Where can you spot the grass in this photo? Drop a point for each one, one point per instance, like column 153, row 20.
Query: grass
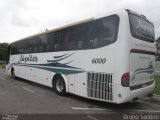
column 157, row 85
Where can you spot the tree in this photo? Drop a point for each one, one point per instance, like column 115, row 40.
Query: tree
column 3, row 51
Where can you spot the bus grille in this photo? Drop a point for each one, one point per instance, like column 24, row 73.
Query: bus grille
column 99, row 85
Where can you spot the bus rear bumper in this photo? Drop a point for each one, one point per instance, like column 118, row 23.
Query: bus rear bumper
column 127, row 94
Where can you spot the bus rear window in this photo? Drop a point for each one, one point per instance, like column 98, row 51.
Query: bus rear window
column 141, row 28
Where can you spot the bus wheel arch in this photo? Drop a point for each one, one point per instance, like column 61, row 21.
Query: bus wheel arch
column 59, row 84
column 13, row 72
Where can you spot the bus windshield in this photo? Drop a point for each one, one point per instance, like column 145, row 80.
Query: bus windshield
column 141, row 28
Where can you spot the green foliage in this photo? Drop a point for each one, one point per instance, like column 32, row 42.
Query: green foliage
column 2, row 66
column 157, row 85
column 3, row 51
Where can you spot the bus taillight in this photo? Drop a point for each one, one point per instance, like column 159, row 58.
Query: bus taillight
column 125, row 79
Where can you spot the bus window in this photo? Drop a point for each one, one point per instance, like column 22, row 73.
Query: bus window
column 141, row 28
column 103, row 31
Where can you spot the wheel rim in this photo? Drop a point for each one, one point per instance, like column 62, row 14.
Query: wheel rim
column 59, row 85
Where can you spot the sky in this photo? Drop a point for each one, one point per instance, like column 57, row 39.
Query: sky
column 22, row 18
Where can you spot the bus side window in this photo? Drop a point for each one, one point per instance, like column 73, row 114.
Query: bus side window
column 99, row 32
column 103, row 31
column 65, row 40
column 72, row 38
column 81, row 44
column 50, row 48
column 56, row 47
column 41, row 49
column 30, row 50
column 95, row 42
column 72, row 45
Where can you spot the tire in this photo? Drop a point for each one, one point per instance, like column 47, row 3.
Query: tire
column 59, row 86
column 13, row 74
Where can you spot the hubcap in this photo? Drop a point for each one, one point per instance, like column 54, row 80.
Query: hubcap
column 59, row 85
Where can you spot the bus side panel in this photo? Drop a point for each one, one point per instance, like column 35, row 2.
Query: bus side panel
column 71, row 83
column 81, row 84
column 43, row 77
column 23, row 72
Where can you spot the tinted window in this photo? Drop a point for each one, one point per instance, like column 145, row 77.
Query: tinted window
column 53, row 41
column 89, row 35
column 43, row 42
column 103, row 31
column 77, row 37
column 141, row 28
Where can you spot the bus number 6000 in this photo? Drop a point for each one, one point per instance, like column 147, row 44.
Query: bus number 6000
column 98, row 60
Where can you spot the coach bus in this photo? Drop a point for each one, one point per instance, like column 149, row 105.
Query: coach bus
column 107, row 58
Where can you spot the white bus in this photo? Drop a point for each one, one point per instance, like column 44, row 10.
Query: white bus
column 107, row 58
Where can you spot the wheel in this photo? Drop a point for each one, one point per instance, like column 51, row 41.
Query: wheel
column 13, row 74
column 59, row 86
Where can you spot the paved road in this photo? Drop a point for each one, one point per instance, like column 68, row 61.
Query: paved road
column 18, row 96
